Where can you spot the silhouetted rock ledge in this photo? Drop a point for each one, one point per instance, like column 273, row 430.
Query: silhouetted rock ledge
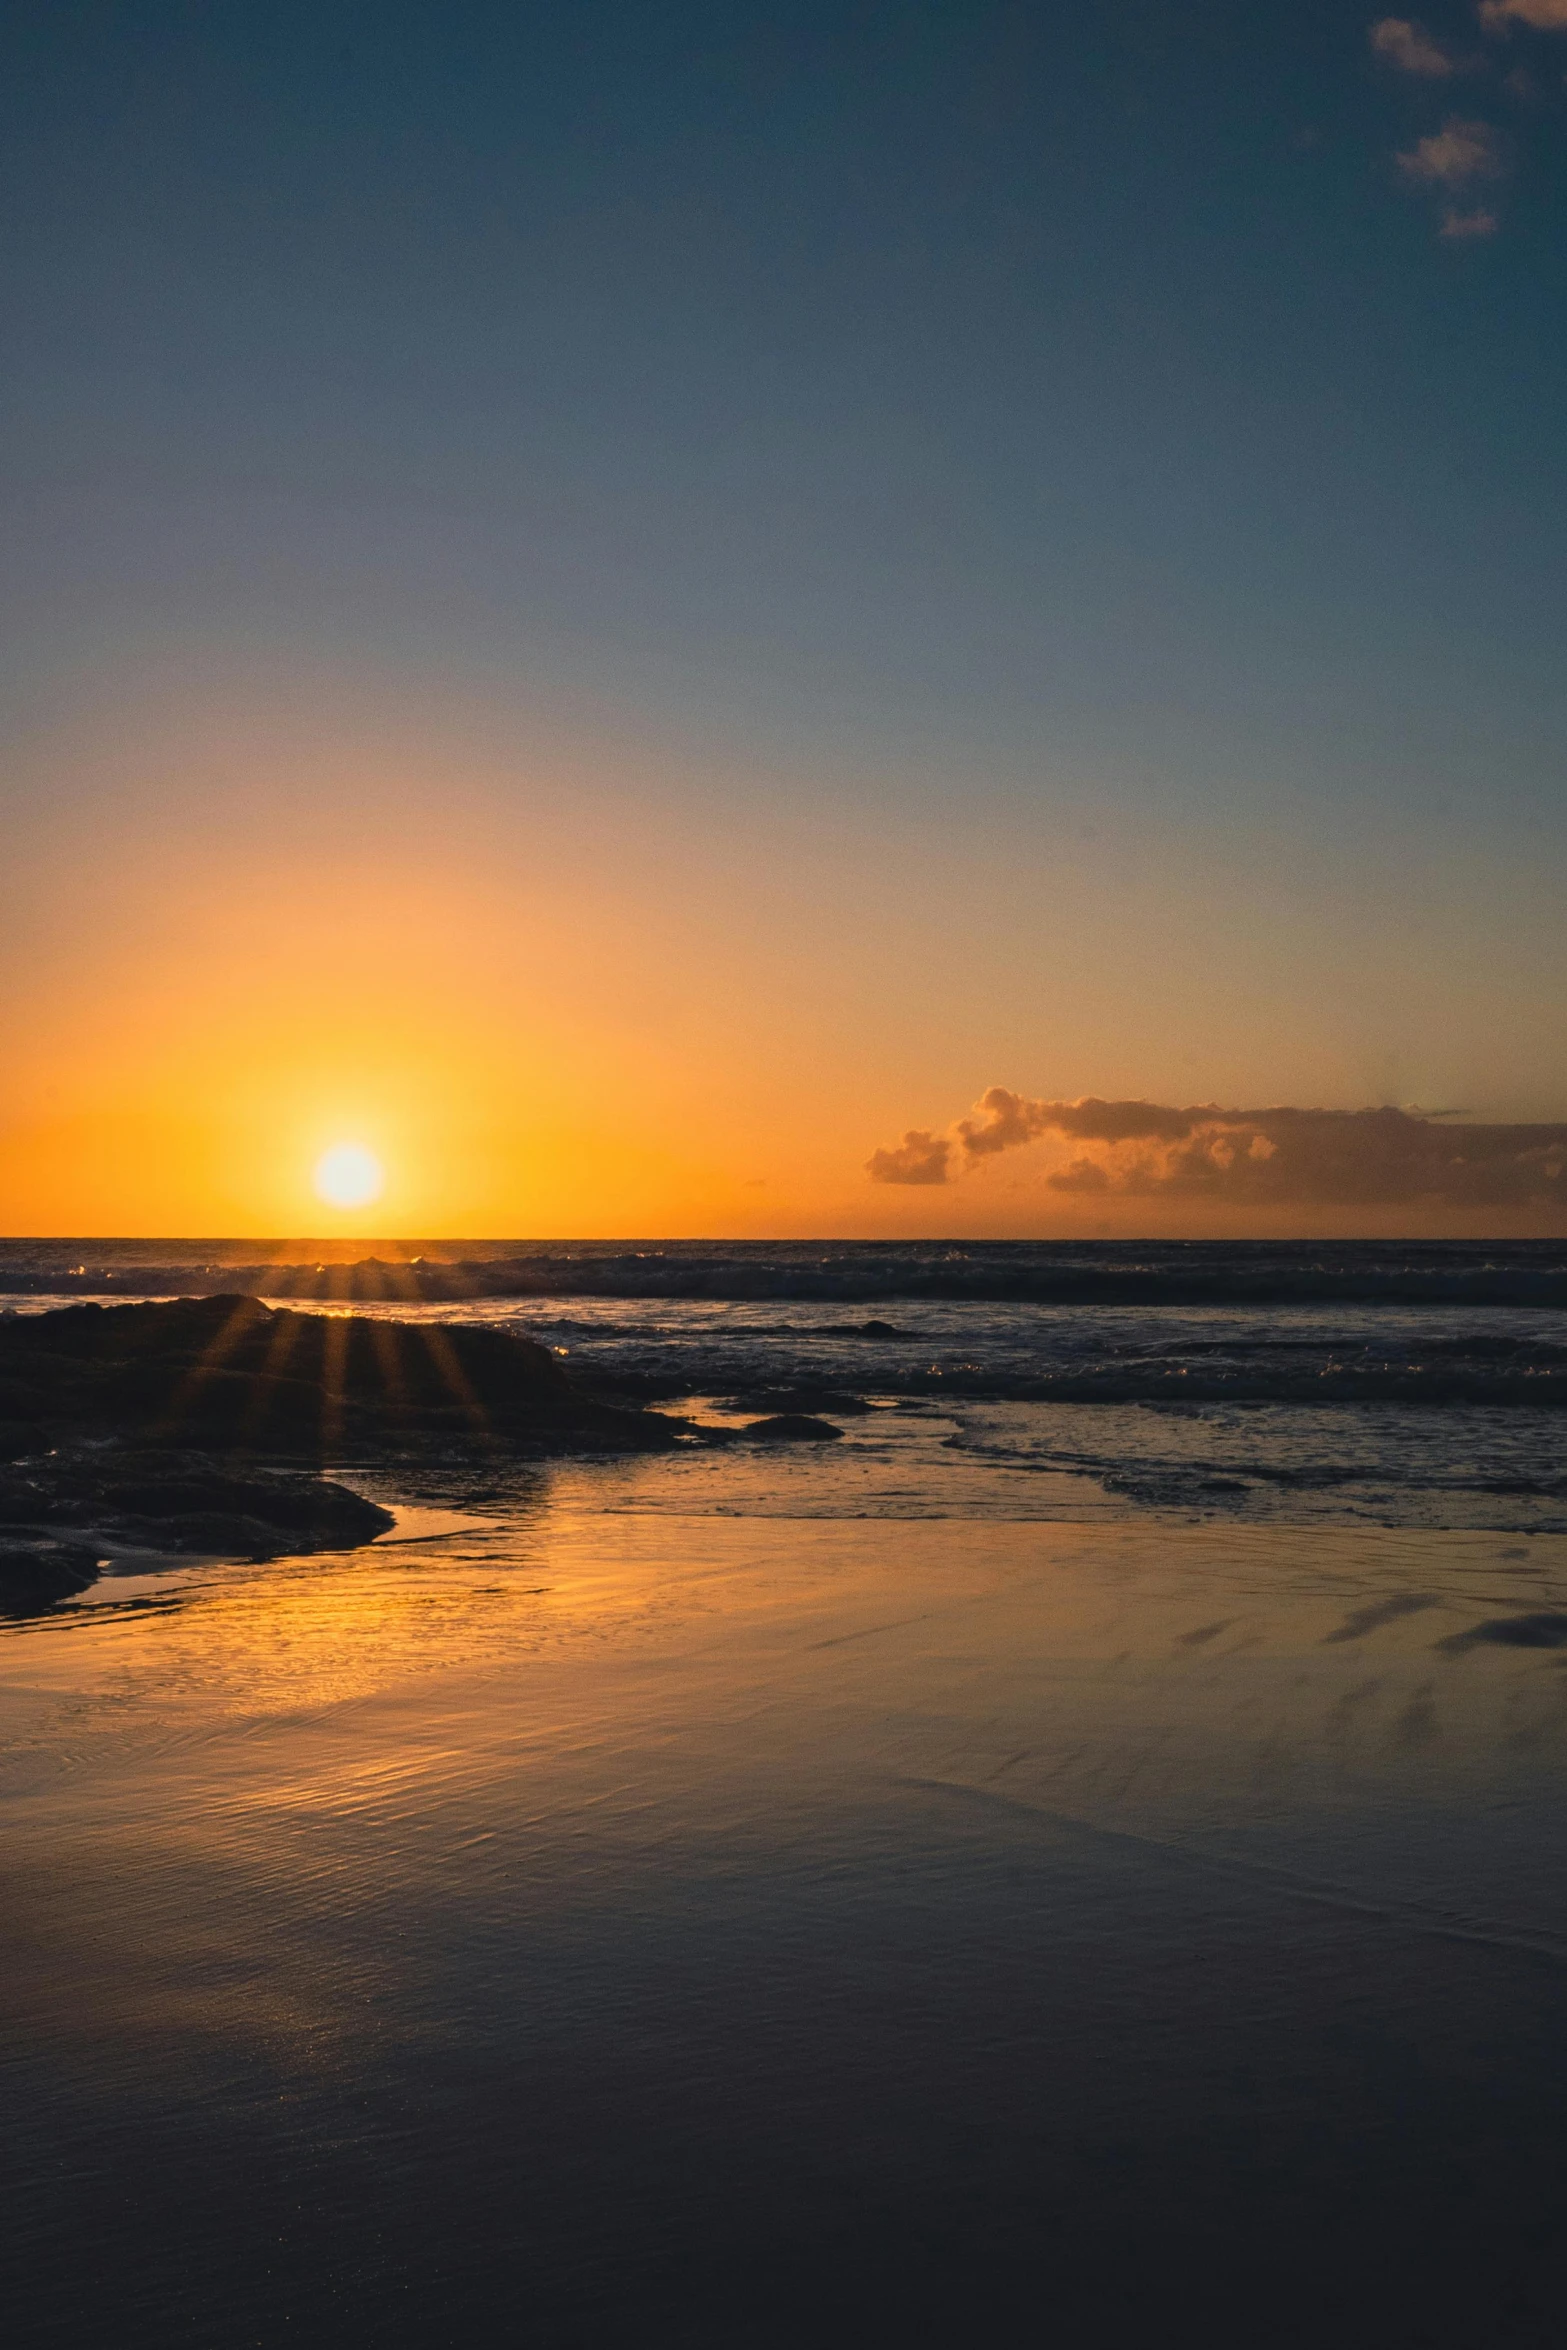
column 182, row 1502
column 226, row 1375
column 61, row 1514
column 36, row 1570
column 196, row 1427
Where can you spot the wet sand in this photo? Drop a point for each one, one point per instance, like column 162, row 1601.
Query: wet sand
column 588, row 1924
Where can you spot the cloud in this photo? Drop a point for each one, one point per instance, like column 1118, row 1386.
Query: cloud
column 1459, row 151
column 1546, row 16
column 1478, row 223
column 1251, row 1158
column 1011, row 1117
column 918, row 1158
column 1008, row 1118
column 1410, row 49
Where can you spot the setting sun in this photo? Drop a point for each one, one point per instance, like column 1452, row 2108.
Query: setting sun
column 348, row 1176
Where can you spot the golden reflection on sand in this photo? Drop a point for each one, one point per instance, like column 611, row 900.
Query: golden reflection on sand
column 406, row 1867
column 1135, row 1667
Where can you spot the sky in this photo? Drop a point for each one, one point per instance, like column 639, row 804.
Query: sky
column 637, row 608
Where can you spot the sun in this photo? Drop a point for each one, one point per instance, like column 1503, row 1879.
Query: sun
column 348, row 1176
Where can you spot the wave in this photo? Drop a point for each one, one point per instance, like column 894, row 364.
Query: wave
column 863, row 1274
column 1412, row 1384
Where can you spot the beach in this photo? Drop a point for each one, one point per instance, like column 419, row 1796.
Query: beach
column 594, row 1920
column 783, row 1177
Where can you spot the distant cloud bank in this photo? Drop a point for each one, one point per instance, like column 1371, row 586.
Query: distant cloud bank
column 1248, row 1158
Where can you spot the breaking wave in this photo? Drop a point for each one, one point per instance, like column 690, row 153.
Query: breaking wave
column 1170, row 1273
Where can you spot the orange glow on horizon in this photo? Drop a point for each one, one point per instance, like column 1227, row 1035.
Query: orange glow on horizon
column 563, row 985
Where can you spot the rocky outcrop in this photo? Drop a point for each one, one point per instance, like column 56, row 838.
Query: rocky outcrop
column 789, row 1428
column 36, row 1570
column 183, row 1502
column 230, row 1375
column 192, row 1427
column 61, row 1513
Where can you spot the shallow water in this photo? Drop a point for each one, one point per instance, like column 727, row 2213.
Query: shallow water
column 659, row 1903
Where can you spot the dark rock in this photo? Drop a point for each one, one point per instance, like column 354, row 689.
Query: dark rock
column 35, row 1573
column 297, row 1513
column 158, row 1427
column 227, row 1534
column 228, row 1374
column 184, row 1503
column 874, row 1330
column 789, row 1428
column 215, row 1534
column 604, row 1385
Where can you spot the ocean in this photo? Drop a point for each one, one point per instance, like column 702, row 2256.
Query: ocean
column 1076, row 1858
column 1403, row 1386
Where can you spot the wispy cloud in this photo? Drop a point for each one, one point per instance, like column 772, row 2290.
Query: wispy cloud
column 1457, row 153
column 1251, row 1158
column 1409, row 48
column 1546, row 16
column 1463, row 153
column 1478, row 223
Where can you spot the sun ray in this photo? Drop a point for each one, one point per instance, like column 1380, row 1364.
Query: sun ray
column 384, row 1341
column 450, row 1372
column 211, row 1360
column 335, row 1342
column 281, row 1344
